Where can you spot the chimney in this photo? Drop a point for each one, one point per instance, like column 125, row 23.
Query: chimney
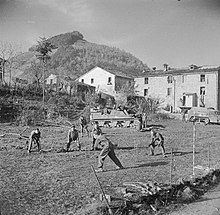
column 165, row 66
column 192, row 67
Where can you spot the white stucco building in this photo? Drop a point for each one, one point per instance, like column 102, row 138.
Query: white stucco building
column 191, row 87
column 105, row 81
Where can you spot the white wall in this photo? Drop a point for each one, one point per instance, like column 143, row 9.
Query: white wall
column 100, row 77
column 190, row 83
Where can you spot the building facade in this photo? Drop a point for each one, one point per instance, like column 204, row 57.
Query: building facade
column 108, row 82
column 178, row 88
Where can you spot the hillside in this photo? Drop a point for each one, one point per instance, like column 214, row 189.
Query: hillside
column 75, row 56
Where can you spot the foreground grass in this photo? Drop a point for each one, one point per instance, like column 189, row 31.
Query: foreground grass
column 60, row 183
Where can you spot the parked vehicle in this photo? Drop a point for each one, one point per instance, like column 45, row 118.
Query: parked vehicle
column 204, row 115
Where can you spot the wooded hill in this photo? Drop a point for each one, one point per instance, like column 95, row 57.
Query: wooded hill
column 74, row 56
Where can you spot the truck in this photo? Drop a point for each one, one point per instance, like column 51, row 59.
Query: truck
column 205, row 115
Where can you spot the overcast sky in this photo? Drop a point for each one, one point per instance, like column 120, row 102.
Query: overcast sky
column 178, row 33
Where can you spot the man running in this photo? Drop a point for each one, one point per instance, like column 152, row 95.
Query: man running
column 107, row 148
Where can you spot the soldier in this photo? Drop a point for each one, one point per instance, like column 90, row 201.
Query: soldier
column 184, row 112
column 107, row 149
column 83, row 124
column 34, row 138
column 144, row 120
column 73, row 135
column 96, row 131
column 157, row 140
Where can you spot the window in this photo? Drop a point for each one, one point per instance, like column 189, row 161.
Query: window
column 170, row 79
column 82, row 80
column 145, row 80
column 92, row 80
column 202, row 78
column 169, row 91
column 202, row 90
column 184, row 100
column 145, row 92
column 51, row 81
column 109, row 80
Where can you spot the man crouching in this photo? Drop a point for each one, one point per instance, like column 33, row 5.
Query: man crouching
column 73, row 136
column 157, row 140
column 34, row 138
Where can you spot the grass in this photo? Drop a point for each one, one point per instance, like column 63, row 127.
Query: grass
column 61, row 183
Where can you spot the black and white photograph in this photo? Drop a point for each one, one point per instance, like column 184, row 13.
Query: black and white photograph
column 109, row 107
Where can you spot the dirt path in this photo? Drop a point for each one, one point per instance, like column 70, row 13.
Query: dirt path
column 209, row 204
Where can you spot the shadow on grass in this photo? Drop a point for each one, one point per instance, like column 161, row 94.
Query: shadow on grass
column 131, row 148
column 152, row 164
column 182, row 153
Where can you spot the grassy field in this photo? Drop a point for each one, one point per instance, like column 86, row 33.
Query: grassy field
column 54, row 182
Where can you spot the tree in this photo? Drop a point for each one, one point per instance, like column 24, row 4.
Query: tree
column 150, row 105
column 91, row 99
column 36, row 72
column 8, row 52
column 123, row 92
column 43, row 49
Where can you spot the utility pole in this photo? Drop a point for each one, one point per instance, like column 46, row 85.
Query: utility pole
column 44, row 62
column 174, row 94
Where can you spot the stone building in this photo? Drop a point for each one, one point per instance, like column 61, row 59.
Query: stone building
column 178, row 88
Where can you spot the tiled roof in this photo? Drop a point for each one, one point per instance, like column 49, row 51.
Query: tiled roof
column 199, row 70
column 118, row 73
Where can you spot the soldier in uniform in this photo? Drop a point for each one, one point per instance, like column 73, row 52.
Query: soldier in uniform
column 184, row 112
column 96, row 131
column 73, row 135
column 83, row 124
column 156, row 140
column 34, row 138
column 107, row 148
column 144, row 120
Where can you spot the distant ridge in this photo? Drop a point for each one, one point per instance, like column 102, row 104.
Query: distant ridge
column 74, row 56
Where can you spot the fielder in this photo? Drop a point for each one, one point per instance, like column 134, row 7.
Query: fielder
column 157, row 140
column 96, row 131
column 73, row 136
column 34, row 138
